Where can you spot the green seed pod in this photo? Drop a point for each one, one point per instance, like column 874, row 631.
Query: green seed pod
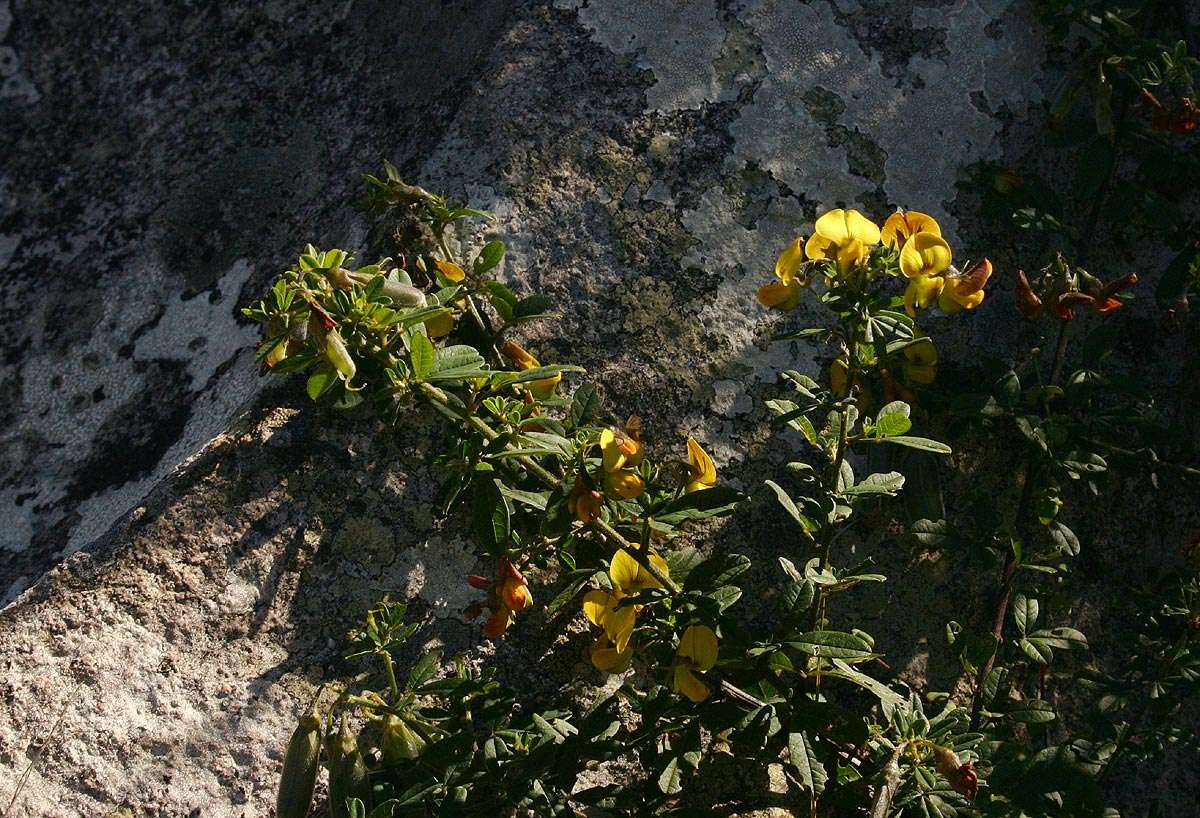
column 300, row 765
column 400, row 743
column 338, row 355
column 403, row 295
column 347, row 773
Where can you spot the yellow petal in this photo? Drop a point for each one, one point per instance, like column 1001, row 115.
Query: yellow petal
column 780, row 296
column 902, row 225
column 703, row 470
column 789, row 261
column 686, row 683
column 921, row 292
column 628, row 575
column 851, row 254
column 619, row 626
column 699, row 644
column 611, row 455
column 451, row 270
column 860, row 228
column 924, row 255
column 832, row 226
column 817, row 247
column 607, row 658
column 597, row 605
column 625, row 483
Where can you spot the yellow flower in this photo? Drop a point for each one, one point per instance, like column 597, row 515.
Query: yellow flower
column 842, row 236
column 784, row 294
column 904, row 224
column 602, row 608
column 697, row 652
column 921, row 292
column 584, row 502
column 625, row 483
column 619, row 449
column 606, row 657
column 920, row 362
column 924, row 254
column 964, row 291
column 450, row 270
column 702, row 472
column 542, row 388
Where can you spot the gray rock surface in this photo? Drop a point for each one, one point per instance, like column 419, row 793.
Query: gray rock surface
column 646, row 161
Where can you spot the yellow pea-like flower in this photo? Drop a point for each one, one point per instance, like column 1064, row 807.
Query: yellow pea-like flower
column 625, row 483
column 542, row 388
column 697, row 651
column 842, row 236
column 450, row 270
column 964, row 291
column 784, row 294
column 603, row 608
column 702, row 472
column 920, row 362
column 925, row 254
column 904, row 224
column 606, row 657
column 619, row 449
column 921, row 292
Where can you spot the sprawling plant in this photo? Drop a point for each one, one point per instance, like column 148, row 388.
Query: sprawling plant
column 552, row 485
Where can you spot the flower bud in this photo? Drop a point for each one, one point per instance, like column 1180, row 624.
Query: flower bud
column 337, row 354
column 1028, row 303
column 340, row 277
column 961, row 776
column 400, row 742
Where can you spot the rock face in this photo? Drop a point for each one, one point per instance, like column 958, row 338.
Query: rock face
column 646, row 162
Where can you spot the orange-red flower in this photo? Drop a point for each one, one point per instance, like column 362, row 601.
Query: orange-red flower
column 508, row 595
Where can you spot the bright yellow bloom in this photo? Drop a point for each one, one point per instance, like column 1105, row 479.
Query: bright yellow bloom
column 619, row 449
column 921, row 292
column 602, row 608
column 925, row 254
column 625, row 483
column 920, row 362
column 606, row 657
column 697, row 651
column 784, row 294
column 904, row 224
column 584, row 502
column 542, row 388
column 451, row 271
column 842, row 236
column 702, row 472
column 964, row 291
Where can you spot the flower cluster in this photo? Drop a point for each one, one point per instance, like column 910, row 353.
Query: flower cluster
column 508, row 595
column 1065, row 288
column 910, row 245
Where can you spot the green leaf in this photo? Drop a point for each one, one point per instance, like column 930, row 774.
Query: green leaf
column 885, row 694
column 489, row 256
column 922, row 443
column 1031, row 711
column 700, row 505
column 1036, row 649
column 832, row 645
column 1064, row 538
column 585, row 405
column 456, row 357
column 716, row 571
column 556, row 730
column 421, row 355
column 1025, row 612
column 532, row 305
column 321, row 381
column 670, row 780
column 884, row 483
column 806, row 524
column 581, row 578
column 726, row 596
column 808, row 767
column 491, row 511
column 796, row 599
column 504, row 300
column 893, row 419
column 424, row 670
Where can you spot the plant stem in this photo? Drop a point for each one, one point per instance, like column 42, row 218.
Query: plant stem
column 614, row 538
column 839, row 457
